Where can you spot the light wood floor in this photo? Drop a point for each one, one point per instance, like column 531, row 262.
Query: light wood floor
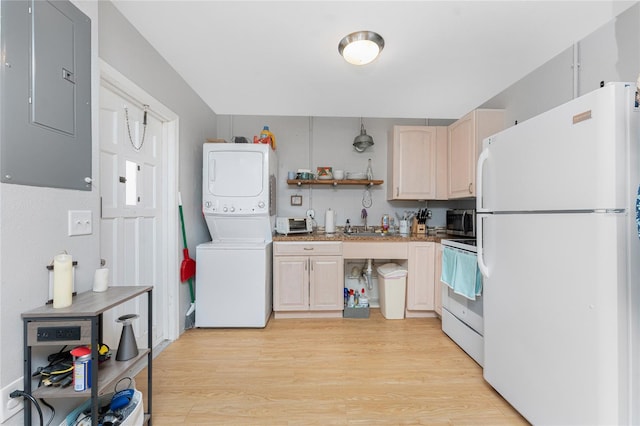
column 323, row 372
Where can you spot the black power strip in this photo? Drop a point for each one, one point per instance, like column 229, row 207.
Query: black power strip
column 52, row 334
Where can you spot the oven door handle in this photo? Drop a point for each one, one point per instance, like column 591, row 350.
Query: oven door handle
column 480, row 249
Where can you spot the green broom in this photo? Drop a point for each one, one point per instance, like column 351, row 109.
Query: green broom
column 187, row 271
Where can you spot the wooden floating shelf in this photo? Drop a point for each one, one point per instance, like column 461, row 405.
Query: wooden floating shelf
column 334, row 182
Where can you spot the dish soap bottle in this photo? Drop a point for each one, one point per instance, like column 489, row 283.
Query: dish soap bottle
column 369, row 170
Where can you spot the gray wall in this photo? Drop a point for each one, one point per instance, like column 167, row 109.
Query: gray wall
column 33, row 228
column 611, row 53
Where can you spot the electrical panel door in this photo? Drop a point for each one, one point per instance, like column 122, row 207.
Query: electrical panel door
column 46, row 107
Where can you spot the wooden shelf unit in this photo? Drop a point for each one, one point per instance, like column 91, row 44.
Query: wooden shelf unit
column 87, row 309
column 334, row 182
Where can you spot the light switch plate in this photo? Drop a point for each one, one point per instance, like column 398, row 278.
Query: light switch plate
column 80, row 222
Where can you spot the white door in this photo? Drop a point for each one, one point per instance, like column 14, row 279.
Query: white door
column 134, row 220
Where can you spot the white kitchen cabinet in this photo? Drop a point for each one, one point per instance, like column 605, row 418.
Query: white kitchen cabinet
column 465, row 138
column 308, row 279
column 420, row 279
column 436, row 279
column 417, row 163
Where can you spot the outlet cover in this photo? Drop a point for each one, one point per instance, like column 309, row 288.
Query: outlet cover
column 9, row 407
column 80, row 222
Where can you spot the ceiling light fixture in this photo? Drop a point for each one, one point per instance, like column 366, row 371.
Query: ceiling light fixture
column 361, row 47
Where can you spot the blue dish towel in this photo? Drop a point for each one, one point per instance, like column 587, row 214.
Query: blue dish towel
column 460, row 272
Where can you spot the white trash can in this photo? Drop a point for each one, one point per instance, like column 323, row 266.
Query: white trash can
column 393, row 290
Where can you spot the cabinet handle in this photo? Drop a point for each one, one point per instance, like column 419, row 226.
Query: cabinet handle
column 397, row 191
column 470, row 186
column 306, row 265
column 308, row 248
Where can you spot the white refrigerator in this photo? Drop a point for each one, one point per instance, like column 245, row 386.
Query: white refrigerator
column 559, row 251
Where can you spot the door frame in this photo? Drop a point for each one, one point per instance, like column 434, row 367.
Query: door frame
column 121, row 85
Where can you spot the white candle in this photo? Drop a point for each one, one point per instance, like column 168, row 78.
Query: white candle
column 62, row 280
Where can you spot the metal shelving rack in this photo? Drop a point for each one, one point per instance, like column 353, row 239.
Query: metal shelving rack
column 86, row 311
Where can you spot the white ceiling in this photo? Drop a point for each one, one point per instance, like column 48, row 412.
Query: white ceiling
column 441, row 58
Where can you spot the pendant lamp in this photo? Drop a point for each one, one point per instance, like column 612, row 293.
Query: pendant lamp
column 363, row 140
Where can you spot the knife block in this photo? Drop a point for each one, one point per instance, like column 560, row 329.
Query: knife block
column 418, row 228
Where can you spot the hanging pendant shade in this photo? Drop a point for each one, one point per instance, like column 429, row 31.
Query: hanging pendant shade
column 363, row 140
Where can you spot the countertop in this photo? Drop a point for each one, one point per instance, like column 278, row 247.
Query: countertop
column 341, row 236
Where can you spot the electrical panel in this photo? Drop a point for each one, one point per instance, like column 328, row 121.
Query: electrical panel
column 46, row 104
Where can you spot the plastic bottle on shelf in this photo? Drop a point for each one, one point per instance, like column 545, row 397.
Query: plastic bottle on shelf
column 385, row 223
column 369, row 170
column 363, row 300
column 268, row 137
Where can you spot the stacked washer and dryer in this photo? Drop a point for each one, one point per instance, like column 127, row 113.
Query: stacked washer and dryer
column 234, row 273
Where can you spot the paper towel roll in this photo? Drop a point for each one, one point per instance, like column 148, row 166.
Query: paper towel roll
column 330, row 222
column 100, row 280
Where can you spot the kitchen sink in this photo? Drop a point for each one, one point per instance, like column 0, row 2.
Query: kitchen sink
column 367, row 234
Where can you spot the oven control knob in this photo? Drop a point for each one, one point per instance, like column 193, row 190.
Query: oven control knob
column 207, row 204
column 232, row 209
column 225, row 209
column 261, row 204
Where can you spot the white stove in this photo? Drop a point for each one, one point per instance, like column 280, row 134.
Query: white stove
column 462, row 318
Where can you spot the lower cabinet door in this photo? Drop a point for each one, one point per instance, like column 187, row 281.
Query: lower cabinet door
column 420, row 285
column 291, row 283
column 326, row 283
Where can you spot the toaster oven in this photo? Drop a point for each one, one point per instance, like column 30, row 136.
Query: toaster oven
column 293, row 225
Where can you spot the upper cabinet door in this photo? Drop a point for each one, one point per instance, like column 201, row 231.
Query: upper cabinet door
column 462, row 157
column 413, row 162
column 465, row 144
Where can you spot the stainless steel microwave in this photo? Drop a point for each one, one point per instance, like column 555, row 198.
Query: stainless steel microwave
column 461, row 222
column 293, row 225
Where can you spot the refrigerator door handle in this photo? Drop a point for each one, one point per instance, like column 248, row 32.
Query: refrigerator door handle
column 638, row 211
column 484, row 270
column 481, row 160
